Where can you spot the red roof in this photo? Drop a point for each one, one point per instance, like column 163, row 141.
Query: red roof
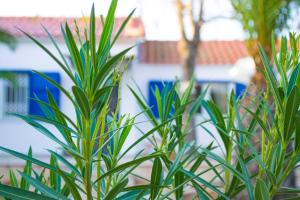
column 32, row 25
column 209, row 53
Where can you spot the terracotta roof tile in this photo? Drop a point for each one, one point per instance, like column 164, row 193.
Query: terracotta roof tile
column 32, row 25
column 210, row 52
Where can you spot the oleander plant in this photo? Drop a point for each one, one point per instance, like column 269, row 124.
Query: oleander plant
column 257, row 155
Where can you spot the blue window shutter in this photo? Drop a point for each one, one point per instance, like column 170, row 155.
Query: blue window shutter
column 151, row 91
column 38, row 87
column 240, row 90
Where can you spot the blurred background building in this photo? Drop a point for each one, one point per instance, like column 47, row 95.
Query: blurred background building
column 223, row 61
column 156, row 62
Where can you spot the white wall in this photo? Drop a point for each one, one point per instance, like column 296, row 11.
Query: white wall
column 14, row 133
column 18, row 135
column 143, row 73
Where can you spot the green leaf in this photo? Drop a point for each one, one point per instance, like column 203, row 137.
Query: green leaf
column 93, row 36
column 117, row 189
column 278, row 66
column 74, row 52
column 100, row 93
column 271, row 79
column 124, row 135
column 108, row 27
column 179, row 180
column 20, row 194
column 294, row 79
column 248, row 181
column 197, row 105
column 45, row 190
column 144, row 106
column 146, row 135
column 261, row 190
column 218, row 121
column 13, row 179
column 27, row 170
column 134, row 194
column 285, row 190
column 59, row 120
column 66, row 68
column 47, row 78
column 108, row 66
column 159, row 103
column 126, row 165
column 291, row 110
column 123, row 25
column 56, row 110
column 48, row 133
column 82, row 101
column 176, row 165
column 51, row 55
column 156, row 177
column 55, row 179
column 198, row 162
column 28, row 158
column 71, row 185
column 297, row 135
column 261, row 123
column 199, row 190
column 205, row 183
column 223, row 162
column 65, row 162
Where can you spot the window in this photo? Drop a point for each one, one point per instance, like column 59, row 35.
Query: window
column 151, row 92
column 15, row 94
column 240, row 90
column 217, row 91
column 38, row 89
column 18, row 94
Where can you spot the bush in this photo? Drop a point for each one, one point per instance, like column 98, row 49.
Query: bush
column 96, row 168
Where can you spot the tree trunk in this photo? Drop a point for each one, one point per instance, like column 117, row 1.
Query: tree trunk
column 257, row 79
column 188, row 49
column 188, row 53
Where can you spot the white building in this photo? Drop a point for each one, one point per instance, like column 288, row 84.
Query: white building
column 15, row 133
column 156, row 62
column 222, row 65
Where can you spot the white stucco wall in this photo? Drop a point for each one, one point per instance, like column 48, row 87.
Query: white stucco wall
column 143, row 73
column 15, row 133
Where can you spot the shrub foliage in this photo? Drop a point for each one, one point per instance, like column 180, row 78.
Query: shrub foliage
column 97, row 165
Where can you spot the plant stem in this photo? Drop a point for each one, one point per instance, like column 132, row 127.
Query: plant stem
column 88, row 181
column 227, row 172
column 108, row 182
column 88, row 185
column 99, row 174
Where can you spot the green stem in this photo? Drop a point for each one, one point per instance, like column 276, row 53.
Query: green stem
column 108, row 182
column 101, row 141
column 99, row 175
column 227, row 171
column 263, row 135
column 88, row 173
column 88, row 181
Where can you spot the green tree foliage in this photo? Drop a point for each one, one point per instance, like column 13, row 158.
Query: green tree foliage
column 7, row 38
column 260, row 18
column 278, row 130
column 11, row 42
